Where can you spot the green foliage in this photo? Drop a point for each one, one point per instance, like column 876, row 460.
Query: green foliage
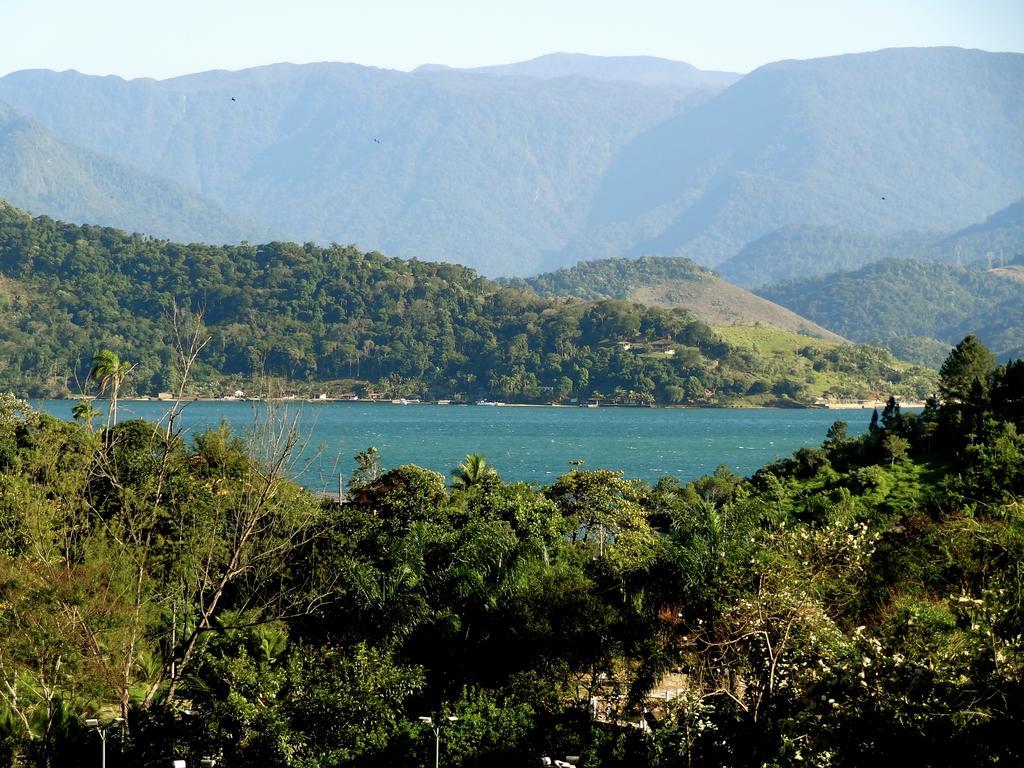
column 314, row 319
column 796, row 252
column 858, row 599
column 474, row 471
column 613, row 278
column 891, row 300
column 969, row 362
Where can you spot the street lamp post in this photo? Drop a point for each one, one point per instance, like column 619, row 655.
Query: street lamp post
column 102, row 730
column 429, row 722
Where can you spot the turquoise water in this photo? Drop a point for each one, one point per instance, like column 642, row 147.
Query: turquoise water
column 531, row 444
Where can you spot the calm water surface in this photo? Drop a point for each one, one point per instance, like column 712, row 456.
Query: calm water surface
column 531, row 444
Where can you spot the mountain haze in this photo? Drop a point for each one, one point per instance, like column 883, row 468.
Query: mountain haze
column 488, row 172
column 793, row 252
column 902, row 139
column 575, row 157
column 998, row 239
column 799, row 252
column 646, row 70
column 40, row 173
column 892, row 300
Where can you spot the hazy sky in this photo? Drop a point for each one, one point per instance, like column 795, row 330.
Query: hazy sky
column 163, row 38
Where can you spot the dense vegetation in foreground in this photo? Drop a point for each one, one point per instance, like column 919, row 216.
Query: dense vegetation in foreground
column 852, row 605
column 337, row 318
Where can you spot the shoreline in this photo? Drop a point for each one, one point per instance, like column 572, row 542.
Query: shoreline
column 855, row 405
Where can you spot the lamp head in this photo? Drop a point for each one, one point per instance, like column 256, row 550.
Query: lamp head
column 92, row 722
column 452, row 718
column 426, row 720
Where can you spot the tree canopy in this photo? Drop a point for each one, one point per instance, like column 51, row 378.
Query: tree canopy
column 855, row 600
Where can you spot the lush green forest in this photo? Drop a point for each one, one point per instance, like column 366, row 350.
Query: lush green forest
column 318, row 319
column 910, row 305
column 858, row 603
column 803, row 252
column 613, row 278
column 793, row 253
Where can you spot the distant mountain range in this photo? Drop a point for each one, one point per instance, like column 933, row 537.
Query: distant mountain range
column 485, row 171
column 645, row 70
column 903, row 139
column 528, row 167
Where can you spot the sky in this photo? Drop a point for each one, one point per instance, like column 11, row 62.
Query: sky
column 164, row 38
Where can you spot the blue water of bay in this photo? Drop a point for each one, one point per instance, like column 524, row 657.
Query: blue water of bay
column 530, row 444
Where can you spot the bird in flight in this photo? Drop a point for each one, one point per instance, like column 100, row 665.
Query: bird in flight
column 233, row 98
column 377, row 141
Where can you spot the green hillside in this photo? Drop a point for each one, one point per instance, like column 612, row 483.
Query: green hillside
column 998, row 239
column 40, row 173
column 895, row 299
column 336, row 318
column 672, row 282
column 795, row 252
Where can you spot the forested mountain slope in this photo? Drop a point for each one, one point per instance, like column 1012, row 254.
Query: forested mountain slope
column 40, row 173
column 565, row 161
column 796, row 252
column 895, row 299
column 485, row 171
column 996, row 240
column 310, row 315
column 884, row 142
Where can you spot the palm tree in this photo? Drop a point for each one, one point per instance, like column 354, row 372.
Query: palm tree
column 85, row 412
column 108, row 370
column 473, row 471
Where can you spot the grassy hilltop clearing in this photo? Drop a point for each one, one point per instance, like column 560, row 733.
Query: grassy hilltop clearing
column 672, row 282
